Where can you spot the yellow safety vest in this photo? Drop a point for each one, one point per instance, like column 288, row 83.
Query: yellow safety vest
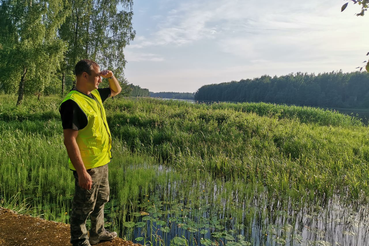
column 94, row 141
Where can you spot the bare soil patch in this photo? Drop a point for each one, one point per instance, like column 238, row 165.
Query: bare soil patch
column 24, row 230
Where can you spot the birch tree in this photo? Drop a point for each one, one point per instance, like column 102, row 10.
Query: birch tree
column 31, row 51
column 98, row 30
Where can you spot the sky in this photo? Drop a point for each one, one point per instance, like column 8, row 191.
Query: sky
column 182, row 45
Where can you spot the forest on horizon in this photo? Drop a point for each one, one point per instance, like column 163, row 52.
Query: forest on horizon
column 333, row 90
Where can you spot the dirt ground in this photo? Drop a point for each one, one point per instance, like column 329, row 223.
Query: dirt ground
column 23, row 230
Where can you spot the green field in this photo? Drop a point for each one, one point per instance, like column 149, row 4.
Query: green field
column 195, row 171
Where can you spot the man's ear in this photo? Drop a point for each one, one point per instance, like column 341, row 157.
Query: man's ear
column 84, row 75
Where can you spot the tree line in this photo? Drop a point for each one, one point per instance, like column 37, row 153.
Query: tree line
column 335, row 90
column 41, row 41
column 173, row 95
column 137, row 91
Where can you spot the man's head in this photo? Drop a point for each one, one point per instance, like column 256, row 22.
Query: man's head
column 84, row 66
column 88, row 75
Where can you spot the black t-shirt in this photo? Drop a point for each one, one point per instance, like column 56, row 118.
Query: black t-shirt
column 72, row 115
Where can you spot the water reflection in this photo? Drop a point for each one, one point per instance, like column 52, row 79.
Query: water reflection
column 188, row 210
column 337, row 224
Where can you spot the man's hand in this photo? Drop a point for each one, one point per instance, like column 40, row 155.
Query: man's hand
column 85, row 180
column 106, row 74
column 113, row 82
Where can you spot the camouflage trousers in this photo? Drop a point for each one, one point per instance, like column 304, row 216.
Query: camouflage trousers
column 89, row 203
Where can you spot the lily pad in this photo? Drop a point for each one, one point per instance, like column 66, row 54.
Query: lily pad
column 140, row 224
column 129, row 224
column 139, row 239
column 206, row 242
column 179, row 241
column 165, row 229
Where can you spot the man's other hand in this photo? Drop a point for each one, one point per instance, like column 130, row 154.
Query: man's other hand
column 85, row 181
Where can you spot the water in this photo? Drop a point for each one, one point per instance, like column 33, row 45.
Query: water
column 333, row 225
column 174, row 99
column 192, row 209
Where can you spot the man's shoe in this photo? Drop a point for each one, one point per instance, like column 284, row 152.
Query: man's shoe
column 104, row 236
column 84, row 243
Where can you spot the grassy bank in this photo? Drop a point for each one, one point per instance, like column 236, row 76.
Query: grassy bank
column 291, row 152
column 177, row 156
column 286, row 149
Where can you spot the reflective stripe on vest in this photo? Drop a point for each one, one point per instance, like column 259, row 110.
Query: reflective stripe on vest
column 94, row 141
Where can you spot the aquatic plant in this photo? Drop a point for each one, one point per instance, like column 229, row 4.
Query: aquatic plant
column 181, row 173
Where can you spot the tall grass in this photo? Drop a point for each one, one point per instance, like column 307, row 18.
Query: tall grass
column 283, row 154
column 213, row 159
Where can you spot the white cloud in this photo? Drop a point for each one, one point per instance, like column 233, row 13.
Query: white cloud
column 139, row 57
column 295, row 37
column 192, row 20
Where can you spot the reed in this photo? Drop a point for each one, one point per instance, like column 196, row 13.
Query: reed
column 273, row 151
column 203, row 172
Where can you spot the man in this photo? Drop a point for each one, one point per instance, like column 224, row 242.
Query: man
column 88, row 142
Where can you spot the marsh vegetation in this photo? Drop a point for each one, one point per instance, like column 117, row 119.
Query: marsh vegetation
column 196, row 174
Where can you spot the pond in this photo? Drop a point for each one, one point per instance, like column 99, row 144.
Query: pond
column 196, row 209
column 362, row 114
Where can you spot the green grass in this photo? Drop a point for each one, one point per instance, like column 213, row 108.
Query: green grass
column 286, row 151
column 169, row 155
column 285, row 154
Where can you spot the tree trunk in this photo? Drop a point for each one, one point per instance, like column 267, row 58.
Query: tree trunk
column 21, row 87
column 87, row 37
column 63, row 83
column 75, row 43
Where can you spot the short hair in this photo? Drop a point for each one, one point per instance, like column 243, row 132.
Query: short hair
column 84, row 66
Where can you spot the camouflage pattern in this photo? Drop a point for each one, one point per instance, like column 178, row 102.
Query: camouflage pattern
column 89, row 203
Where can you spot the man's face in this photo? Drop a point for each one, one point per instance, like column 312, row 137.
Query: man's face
column 95, row 78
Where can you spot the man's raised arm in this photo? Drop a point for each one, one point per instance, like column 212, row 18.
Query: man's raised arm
column 113, row 82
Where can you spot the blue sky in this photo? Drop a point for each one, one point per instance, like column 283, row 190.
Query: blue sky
column 183, row 45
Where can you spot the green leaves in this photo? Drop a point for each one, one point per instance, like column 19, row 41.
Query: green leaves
column 129, row 224
column 179, row 241
column 165, row 229
column 140, row 224
column 139, row 239
column 33, row 50
column 361, row 13
column 98, row 30
column 47, row 37
column 344, row 7
column 206, row 242
column 363, row 3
